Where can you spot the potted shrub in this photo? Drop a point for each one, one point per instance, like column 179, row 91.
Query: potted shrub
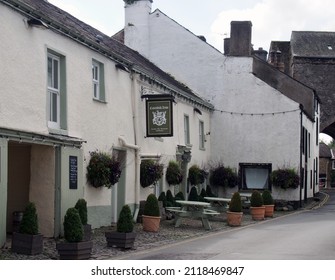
column 170, row 200
column 28, row 240
column 74, row 248
column 257, row 208
column 150, row 172
column 174, row 174
column 151, row 216
column 81, row 206
column 234, row 214
column 124, row 236
column 268, row 203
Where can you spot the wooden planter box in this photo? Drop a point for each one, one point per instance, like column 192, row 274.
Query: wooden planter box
column 120, row 239
column 27, row 244
column 74, row 250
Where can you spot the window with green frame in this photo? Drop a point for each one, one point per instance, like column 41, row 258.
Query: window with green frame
column 98, row 81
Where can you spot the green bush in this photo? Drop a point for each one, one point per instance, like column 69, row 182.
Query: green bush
column 196, row 175
column 173, row 173
column 162, row 197
column 150, row 172
column 180, row 196
column 202, row 195
column 267, row 197
column 81, row 206
column 125, row 222
column 103, row 169
column 29, row 223
column 193, row 195
column 151, row 207
column 223, row 176
column 285, row 178
column 235, row 204
column 73, row 228
column 169, row 199
column 256, row 199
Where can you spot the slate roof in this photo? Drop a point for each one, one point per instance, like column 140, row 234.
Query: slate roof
column 66, row 24
column 324, row 151
column 313, row 44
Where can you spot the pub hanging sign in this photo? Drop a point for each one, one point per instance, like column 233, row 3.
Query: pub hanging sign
column 159, row 117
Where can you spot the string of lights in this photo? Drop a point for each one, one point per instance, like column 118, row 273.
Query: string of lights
column 256, row 114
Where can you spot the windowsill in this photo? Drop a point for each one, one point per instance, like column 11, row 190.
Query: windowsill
column 99, row 100
column 58, row 131
column 202, row 149
column 160, row 139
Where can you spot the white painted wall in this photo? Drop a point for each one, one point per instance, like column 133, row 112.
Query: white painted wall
column 228, row 83
column 23, row 105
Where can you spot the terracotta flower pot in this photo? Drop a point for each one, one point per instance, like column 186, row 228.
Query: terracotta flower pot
column 257, row 213
column 234, row 218
column 150, row 223
column 269, row 210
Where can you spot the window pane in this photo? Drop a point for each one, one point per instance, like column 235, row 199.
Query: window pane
column 256, row 178
column 49, row 71
column 55, row 82
column 53, row 107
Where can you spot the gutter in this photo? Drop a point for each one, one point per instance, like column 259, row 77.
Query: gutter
column 301, row 148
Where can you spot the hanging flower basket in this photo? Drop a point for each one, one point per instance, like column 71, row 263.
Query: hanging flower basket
column 150, row 172
column 103, row 170
column 223, row 176
column 173, row 173
column 285, row 178
column 196, row 175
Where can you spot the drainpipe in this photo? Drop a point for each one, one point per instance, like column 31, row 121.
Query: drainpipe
column 301, row 148
column 137, row 173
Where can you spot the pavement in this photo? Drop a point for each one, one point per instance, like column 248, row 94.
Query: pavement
column 167, row 234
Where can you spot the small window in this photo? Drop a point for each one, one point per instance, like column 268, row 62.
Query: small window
column 201, row 135
column 98, row 81
column 187, row 129
column 255, row 176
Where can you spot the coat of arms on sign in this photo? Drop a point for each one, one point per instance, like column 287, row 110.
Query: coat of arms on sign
column 159, row 118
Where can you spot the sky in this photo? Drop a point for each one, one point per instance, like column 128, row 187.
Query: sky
column 272, row 20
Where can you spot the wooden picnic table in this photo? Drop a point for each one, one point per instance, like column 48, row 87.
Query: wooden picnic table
column 193, row 209
column 218, row 203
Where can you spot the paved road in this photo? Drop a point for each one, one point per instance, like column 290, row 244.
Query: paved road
column 306, row 235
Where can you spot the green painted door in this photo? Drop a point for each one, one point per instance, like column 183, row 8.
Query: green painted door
column 3, row 189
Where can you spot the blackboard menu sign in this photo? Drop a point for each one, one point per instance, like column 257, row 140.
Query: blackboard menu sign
column 73, row 172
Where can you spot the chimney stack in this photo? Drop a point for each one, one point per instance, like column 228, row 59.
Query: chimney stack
column 240, row 38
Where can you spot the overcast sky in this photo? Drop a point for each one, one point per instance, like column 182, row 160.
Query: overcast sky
column 272, row 20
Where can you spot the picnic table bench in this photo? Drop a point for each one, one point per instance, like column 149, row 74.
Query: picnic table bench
column 219, row 204
column 193, row 209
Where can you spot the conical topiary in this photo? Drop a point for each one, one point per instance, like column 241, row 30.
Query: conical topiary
column 29, row 223
column 73, row 228
column 125, row 222
column 81, row 206
column 193, row 196
column 151, row 207
column 267, row 197
column 235, row 204
column 162, row 197
column 170, row 200
column 256, row 199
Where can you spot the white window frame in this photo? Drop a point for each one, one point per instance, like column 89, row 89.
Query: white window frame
column 187, row 129
column 54, row 91
column 96, row 80
column 201, row 135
